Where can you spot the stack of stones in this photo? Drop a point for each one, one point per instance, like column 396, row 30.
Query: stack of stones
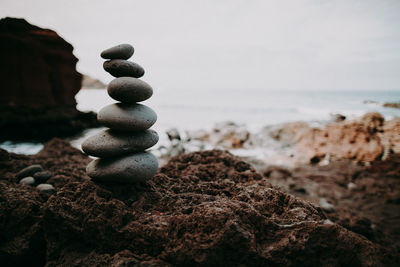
column 121, row 148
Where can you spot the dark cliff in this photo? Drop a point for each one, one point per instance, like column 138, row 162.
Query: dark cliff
column 39, row 83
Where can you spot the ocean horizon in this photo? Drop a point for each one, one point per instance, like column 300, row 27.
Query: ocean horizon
column 189, row 110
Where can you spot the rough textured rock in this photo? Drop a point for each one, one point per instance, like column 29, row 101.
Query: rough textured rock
column 358, row 140
column 365, row 199
column 205, row 208
column 39, row 83
column 364, row 139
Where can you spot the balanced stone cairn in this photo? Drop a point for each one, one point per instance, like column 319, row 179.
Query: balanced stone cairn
column 121, row 149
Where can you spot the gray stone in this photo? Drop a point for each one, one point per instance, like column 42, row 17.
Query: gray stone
column 27, row 181
column 129, row 90
column 120, row 68
column 122, row 51
column 29, row 171
column 110, row 143
column 42, row 176
column 133, row 168
column 127, row 117
column 45, row 188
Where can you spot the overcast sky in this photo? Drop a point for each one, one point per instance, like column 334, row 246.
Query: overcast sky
column 228, row 44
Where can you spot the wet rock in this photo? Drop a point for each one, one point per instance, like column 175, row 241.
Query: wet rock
column 127, row 117
column 29, row 171
column 133, row 168
column 120, row 68
column 129, row 90
column 110, row 143
column 27, row 181
column 42, row 176
column 122, row 51
column 392, row 105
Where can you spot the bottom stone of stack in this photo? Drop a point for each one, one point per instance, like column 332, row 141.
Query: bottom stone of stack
column 131, row 168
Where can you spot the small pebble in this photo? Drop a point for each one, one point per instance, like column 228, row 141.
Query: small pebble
column 327, row 221
column 27, row 181
column 42, row 176
column 122, row 51
column 325, row 205
column 46, row 188
column 351, row 186
column 29, row 171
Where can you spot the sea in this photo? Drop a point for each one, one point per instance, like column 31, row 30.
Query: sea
column 189, row 110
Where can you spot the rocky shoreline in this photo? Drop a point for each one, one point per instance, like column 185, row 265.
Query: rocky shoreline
column 201, row 208
column 362, row 140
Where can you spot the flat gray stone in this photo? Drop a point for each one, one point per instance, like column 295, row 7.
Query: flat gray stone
column 129, row 90
column 133, row 168
column 46, row 188
column 120, row 68
column 122, row 51
column 42, row 176
column 27, row 181
column 127, row 117
column 109, row 143
column 29, row 171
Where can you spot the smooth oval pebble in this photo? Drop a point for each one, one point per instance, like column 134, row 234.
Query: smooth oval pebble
column 129, row 90
column 122, row 51
column 120, row 68
column 127, row 117
column 134, row 168
column 45, row 187
column 42, row 176
column 27, row 181
column 109, row 143
column 29, row 171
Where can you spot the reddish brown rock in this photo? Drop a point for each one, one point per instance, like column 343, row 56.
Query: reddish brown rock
column 357, row 140
column 207, row 208
column 39, row 83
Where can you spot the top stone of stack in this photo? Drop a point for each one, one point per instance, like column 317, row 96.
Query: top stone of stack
column 122, row 51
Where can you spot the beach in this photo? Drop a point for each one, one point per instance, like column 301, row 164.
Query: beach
column 207, row 165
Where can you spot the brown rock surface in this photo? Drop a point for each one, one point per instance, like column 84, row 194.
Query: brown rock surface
column 357, row 140
column 205, row 208
column 39, row 83
column 365, row 199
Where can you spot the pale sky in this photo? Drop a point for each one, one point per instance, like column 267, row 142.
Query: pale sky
column 228, row 44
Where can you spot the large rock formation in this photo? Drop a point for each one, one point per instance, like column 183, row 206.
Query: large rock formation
column 206, row 208
column 39, row 82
